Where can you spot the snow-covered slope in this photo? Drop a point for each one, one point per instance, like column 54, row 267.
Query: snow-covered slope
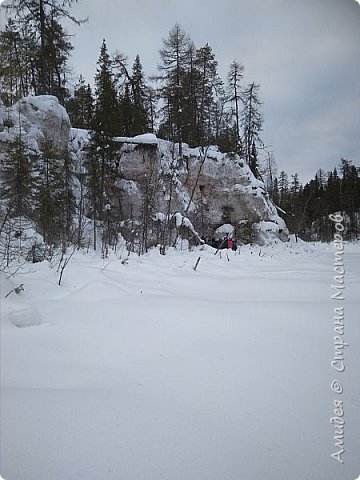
column 146, row 369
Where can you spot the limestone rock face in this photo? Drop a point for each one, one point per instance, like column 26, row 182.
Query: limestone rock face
column 208, row 187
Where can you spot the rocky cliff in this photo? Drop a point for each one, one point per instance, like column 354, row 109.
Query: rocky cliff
column 201, row 191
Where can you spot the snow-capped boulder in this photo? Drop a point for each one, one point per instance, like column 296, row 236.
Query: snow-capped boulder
column 35, row 118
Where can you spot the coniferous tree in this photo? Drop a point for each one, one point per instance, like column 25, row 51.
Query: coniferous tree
column 18, row 50
column 54, row 198
column 189, row 93
column 106, row 117
column 295, row 207
column 275, row 192
column 333, row 191
column 235, row 76
column 225, row 129
column 151, row 102
column 174, row 56
column 208, row 83
column 56, row 51
column 140, row 115
column 66, row 197
column 39, row 20
column 106, row 124
column 80, row 106
column 251, row 122
column 17, row 188
column 349, row 186
column 10, row 69
column 127, row 108
column 283, row 188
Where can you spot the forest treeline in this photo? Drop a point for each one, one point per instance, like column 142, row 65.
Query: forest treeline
column 184, row 101
column 306, row 208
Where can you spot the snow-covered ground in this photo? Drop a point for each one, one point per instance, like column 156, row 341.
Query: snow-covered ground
column 150, row 370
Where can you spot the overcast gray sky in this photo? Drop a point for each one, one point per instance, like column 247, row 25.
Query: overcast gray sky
column 304, row 53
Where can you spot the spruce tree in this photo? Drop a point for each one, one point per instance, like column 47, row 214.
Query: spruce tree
column 140, row 116
column 283, row 189
column 251, row 122
column 80, row 106
column 106, row 117
column 106, row 124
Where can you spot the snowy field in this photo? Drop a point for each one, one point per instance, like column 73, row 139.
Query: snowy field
column 150, row 370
